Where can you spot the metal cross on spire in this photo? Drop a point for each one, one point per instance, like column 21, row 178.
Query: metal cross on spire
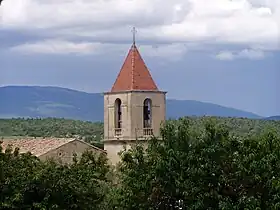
column 134, row 34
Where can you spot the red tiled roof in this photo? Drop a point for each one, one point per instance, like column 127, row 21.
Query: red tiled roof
column 37, row 146
column 134, row 74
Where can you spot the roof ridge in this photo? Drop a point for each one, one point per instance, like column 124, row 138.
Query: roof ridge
column 133, row 63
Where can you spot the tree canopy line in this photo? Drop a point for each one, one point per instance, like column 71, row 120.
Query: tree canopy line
column 53, row 127
column 93, row 132
column 205, row 168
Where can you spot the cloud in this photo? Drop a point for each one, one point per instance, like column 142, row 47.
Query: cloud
column 56, row 46
column 245, row 22
column 246, row 53
column 251, row 54
column 225, row 55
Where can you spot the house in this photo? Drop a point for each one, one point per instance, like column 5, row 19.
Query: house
column 58, row 149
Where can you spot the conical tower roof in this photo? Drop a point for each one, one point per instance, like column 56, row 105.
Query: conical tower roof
column 134, row 74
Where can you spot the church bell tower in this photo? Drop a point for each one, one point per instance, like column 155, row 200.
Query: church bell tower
column 134, row 108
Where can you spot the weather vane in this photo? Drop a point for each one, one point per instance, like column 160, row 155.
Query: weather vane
column 134, row 34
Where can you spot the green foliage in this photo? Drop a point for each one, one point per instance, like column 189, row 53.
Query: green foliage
column 28, row 183
column 199, row 163
column 239, row 127
column 53, row 127
column 93, row 132
column 201, row 170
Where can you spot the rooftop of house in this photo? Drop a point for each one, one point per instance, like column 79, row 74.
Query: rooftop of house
column 37, row 146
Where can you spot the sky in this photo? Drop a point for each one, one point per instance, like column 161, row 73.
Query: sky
column 225, row 52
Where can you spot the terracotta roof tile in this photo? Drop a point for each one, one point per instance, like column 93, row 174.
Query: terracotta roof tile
column 134, row 74
column 37, row 147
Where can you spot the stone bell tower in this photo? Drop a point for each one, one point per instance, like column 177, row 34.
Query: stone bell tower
column 134, row 108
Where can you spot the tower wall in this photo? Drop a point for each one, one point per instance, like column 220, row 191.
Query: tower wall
column 157, row 111
column 109, row 115
column 132, row 119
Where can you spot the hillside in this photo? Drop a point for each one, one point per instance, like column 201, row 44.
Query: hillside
column 34, row 101
column 272, row 118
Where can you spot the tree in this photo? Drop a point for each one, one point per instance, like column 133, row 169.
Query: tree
column 206, row 170
column 209, row 167
column 51, row 127
column 28, row 183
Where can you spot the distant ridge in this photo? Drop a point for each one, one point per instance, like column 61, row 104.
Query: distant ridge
column 272, row 118
column 37, row 101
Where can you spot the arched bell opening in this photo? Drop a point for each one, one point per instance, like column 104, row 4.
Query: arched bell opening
column 147, row 117
column 118, row 117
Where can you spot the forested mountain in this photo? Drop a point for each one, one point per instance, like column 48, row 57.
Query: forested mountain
column 34, row 101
